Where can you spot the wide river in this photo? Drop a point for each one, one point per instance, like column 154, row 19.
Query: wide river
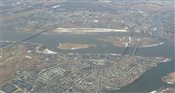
column 149, row 81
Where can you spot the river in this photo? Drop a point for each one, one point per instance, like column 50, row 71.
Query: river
column 52, row 40
column 149, row 81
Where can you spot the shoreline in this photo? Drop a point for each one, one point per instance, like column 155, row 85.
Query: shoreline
column 153, row 45
column 21, row 42
column 123, row 41
column 140, row 77
column 169, row 78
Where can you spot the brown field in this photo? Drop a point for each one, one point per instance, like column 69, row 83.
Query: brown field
column 74, row 46
column 14, row 60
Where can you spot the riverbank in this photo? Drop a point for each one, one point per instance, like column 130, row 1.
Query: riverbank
column 102, row 47
column 144, row 84
column 153, row 45
column 169, row 79
column 141, row 42
column 121, row 73
column 164, row 90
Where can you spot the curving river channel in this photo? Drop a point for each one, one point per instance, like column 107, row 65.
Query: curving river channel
column 143, row 84
column 149, row 81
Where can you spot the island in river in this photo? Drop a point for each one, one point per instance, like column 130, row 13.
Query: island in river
column 123, row 41
column 169, row 79
column 164, row 90
column 74, row 46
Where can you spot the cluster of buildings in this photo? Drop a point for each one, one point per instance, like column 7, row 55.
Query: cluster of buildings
column 17, row 86
column 77, row 72
column 50, row 74
column 31, row 17
column 53, row 72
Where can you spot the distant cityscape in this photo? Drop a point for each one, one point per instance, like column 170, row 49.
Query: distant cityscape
column 59, row 46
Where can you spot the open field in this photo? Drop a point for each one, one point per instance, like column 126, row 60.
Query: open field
column 71, row 46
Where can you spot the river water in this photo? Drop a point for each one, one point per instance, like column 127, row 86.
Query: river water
column 149, row 81
column 52, row 40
